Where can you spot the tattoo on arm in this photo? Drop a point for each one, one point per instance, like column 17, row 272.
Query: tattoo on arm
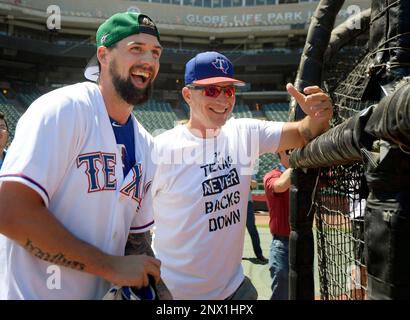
column 58, row 258
column 307, row 134
column 139, row 243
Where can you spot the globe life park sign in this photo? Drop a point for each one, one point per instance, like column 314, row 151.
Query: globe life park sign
column 249, row 18
column 262, row 18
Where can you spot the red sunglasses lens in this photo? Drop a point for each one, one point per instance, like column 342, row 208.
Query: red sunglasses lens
column 229, row 91
column 214, row 91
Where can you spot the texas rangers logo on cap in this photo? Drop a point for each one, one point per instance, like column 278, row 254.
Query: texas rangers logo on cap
column 208, row 68
column 221, row 64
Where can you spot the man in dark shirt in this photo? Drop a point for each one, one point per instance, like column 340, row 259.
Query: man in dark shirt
column 277, row 184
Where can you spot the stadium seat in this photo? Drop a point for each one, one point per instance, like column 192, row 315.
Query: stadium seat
column 155, row 115
column 241, row 111
column 276, row 111
column 12, row 115
column 264, row 164
column 27, row 95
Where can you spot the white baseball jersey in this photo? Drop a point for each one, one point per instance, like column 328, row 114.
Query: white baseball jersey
column 200, row 196
column 65, row 150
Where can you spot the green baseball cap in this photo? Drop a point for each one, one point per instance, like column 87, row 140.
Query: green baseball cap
column 116, row 28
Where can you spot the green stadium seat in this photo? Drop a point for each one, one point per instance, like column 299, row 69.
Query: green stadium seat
column 156, row 115
column 27, row 95
column 12, row 115
column 264, row 164
column 276, row 111
column 241, row 111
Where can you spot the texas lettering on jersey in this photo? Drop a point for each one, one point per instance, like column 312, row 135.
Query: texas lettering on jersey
column 108, row 161
column 107, row 181
column 134, row 187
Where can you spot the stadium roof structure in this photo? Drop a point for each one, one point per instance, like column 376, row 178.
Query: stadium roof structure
column 263, row 42
column 174, row 19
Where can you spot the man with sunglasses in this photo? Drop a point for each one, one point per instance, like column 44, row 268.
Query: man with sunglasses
column 200, row 189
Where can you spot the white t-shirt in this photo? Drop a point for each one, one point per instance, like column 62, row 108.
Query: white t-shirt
column 66, row 151
column 200, row 195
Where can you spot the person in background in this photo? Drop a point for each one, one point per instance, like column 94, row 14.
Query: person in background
column 277, row 183
column 4, row 137
column 251, row 226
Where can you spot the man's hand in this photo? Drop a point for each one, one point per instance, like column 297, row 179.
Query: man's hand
column 314, row 103
column 133, row 270
column 319, row 110
column 140, row 243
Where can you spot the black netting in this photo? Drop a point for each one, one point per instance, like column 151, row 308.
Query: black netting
column 340, row 204
column 341, row 190
column 360, row 233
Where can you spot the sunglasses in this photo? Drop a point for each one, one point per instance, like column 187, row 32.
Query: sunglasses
column 215, row 91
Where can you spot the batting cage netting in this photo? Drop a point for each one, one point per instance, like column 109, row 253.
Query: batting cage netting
column 351, row 185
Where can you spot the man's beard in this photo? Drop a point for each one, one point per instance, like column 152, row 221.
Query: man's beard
column 126, row 89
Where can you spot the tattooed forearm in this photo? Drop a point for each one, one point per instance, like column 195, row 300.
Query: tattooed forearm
column 58, row 258
column 139, row 243
column 307, row 135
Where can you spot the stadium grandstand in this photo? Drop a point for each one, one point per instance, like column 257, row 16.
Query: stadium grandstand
column 263, row 38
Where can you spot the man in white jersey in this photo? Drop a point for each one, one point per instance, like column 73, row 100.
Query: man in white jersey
column 200, row 189
column 72, row 184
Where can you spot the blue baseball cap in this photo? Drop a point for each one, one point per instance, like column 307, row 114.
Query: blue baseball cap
column 210, row 68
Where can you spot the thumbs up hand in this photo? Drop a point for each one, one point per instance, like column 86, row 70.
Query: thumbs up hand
column 313, row 101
